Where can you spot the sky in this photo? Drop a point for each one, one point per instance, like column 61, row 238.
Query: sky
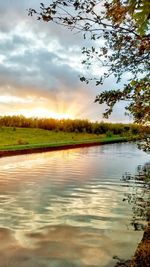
column 40, row 65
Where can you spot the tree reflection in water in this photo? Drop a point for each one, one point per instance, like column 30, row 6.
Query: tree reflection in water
column 139, row 197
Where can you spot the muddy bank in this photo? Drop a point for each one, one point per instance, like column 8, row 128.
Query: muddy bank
column 142, row 254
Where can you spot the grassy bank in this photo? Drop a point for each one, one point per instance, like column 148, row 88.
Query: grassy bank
column 21, row 139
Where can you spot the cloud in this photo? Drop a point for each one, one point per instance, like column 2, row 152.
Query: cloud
column 40, row 64
column 38, row 69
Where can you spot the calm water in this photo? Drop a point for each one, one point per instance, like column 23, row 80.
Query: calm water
column 65, row 208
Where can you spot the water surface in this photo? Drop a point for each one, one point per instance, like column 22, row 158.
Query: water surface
column 65, row 208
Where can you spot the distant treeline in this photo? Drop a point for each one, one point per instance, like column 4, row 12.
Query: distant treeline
column 68, row 125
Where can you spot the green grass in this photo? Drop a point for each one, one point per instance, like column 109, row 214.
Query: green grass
column 24, row 138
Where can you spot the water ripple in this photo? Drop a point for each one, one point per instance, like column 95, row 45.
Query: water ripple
column 65, row 208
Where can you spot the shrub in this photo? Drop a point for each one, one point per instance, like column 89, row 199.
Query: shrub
column 109, row 134
column 22, row 142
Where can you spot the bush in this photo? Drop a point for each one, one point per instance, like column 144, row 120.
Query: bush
column 22, row 142
column 109, row 134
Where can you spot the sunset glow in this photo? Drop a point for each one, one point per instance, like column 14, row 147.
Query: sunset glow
column 39, row 112
column 43, row 113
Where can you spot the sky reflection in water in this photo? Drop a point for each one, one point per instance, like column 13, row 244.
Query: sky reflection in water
column 65, row 208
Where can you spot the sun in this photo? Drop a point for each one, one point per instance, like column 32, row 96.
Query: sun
column 44, row 113
column 60, row 116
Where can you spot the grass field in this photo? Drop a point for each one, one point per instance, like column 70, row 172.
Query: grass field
column 23, row 138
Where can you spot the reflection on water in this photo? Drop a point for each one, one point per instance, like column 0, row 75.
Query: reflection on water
column 65, row 208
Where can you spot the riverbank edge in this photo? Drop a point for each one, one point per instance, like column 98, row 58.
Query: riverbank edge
column 55, row 147
column 142, row 255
